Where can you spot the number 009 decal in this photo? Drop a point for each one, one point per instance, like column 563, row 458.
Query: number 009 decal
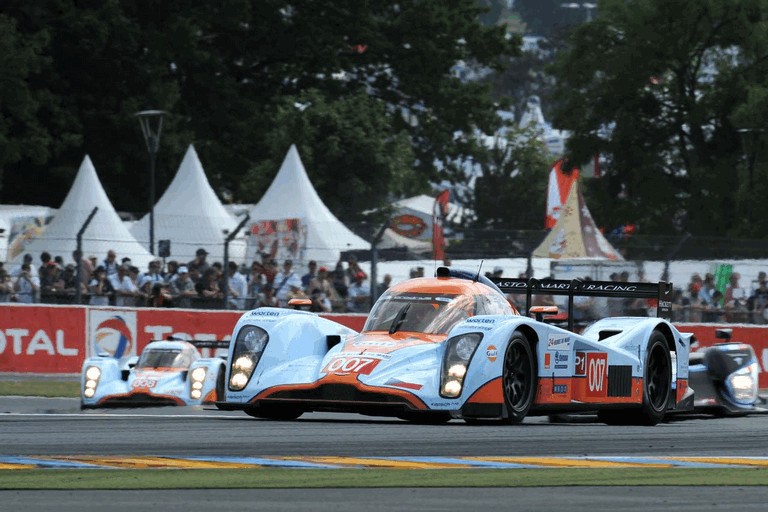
column 346, row 365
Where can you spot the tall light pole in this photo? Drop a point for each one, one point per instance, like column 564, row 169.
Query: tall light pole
column 151, row 122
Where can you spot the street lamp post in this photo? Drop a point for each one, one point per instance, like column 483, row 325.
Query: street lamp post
column 151, row 122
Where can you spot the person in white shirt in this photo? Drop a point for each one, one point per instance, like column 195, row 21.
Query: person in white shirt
column 126, row 290
column 283, row 282
column 26, row 286
column 359, row 295
column 238, row 287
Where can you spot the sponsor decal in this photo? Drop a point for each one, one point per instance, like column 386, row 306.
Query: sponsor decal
column 475, row 320
column 349, row 365
column 547, row 360
column 511, row 284
column 561, row 360
column 372, row 343
column 559, row 342
column 35, row 341
column 112, row 332
column 492, row 353
column 554, row 286
column 610, row 288
column 580, row 366
column 560, row 389
column 144, row 383
column 597, row 373
column 665, row 304
column 261, row 312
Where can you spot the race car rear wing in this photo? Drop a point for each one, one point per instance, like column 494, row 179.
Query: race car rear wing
column 661, row 291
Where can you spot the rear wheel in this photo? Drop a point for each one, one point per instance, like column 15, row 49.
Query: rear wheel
column 657, row 382
column 519, row 378
column 270, row 412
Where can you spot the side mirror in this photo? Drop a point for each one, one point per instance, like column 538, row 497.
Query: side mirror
column 540, row 311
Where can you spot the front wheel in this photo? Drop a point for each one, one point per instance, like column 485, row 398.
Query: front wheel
column 519, row 378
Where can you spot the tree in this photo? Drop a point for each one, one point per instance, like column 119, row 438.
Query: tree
column 654, row 85
column 226, row 71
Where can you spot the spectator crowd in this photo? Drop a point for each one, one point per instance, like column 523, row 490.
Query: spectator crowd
column 201, row 284
column 198, row 283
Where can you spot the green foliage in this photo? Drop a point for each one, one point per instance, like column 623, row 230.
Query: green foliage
column 511, row 192
column 658, row 87
column 228, row 73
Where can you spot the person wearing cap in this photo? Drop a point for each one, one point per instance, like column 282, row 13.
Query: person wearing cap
column 358, row 295
column 100, row 288
column 200, row 261
column 283, row 282
column 183, row 288
column 126, row 290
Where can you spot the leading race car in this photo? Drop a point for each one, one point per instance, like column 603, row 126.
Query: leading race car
column 452, row 346
column 168, row 372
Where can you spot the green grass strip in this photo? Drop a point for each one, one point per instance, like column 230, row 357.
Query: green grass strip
column 264, row 478
column 46, row 388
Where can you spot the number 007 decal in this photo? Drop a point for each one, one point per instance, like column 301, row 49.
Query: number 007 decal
column 347, row 365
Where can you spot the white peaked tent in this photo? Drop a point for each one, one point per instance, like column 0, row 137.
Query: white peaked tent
column 291, row 221
column 190, row 215
column 105, row 231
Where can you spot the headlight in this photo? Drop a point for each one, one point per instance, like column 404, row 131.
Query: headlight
column 249, row 347
column 198, row 374
column 196, row 394
column 92, row 376
column 743, row 384
column 458, row 353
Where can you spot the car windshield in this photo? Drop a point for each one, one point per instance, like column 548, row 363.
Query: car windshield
column 429, row 313
column 165, row 358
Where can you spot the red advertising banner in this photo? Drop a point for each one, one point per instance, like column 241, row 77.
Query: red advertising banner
column 37, row 339
column 57, row 339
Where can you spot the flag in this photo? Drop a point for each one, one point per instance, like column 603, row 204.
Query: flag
column 561, row 180
column 439, row 212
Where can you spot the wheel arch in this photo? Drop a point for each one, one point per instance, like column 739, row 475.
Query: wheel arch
column 530, row 334
column 669, row 336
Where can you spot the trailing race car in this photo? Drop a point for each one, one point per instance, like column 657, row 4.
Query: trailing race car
column 724, row 378
column 167, row 373
column 453, row 346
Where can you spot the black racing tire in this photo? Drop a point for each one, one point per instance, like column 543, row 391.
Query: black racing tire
column 519, row 378
column 657, row 382
column 270, row 412
column 220, row 384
